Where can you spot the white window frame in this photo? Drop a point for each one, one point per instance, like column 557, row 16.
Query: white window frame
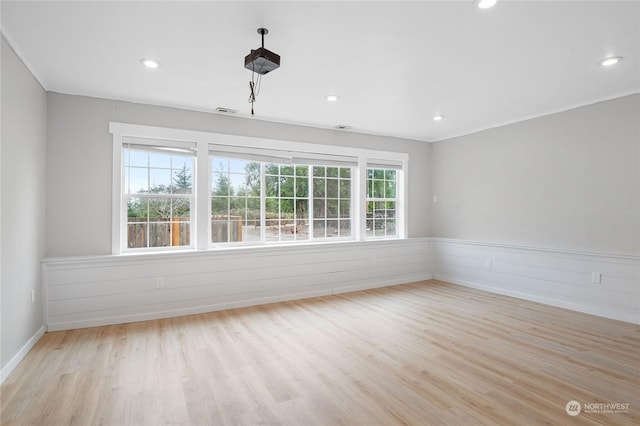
column 382, row 164
column 201, row 208
column 290, row 158
column 155, row 143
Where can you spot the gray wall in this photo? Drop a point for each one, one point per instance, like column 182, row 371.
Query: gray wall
column 568, row 180
column 80, row 150
column 23, row 203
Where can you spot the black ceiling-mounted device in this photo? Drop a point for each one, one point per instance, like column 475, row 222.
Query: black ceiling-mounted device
column 261, row 60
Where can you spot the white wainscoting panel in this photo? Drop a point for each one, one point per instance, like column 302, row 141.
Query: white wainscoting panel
column 560, row 278
column 93, row 291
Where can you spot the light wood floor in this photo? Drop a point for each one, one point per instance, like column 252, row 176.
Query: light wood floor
column 423, row 353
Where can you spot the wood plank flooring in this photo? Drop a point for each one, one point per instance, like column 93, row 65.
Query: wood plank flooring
column 422, row 353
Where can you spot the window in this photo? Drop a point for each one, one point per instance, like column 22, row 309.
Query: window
column 381, row 202
column 235, row 200
column 269, row 196
column 286, row 190
column 158, row 194
column 181, row 189
column 331, row 202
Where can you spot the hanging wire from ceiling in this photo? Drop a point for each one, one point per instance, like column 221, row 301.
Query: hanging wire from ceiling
column 254, row 84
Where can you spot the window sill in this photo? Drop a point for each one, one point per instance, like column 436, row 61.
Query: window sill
column 221, row 252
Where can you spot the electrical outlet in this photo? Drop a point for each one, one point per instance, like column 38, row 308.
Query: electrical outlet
column 596, row 278
column 159, row 282
column 374, row 260
column 33, row 295
column 488, row 263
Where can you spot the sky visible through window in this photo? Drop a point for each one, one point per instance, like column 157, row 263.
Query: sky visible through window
column 145, row 170
column 233, row 169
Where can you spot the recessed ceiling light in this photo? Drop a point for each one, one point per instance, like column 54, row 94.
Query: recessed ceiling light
column 438, row 117
column 332, row 98
column 485, row 4
column 150, row 63
column 610, row 61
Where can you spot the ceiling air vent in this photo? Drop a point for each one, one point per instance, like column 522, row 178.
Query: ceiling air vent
column 226, row 110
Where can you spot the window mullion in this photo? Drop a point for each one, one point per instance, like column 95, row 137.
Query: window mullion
column 263, row 203
column 279, row 203
column 148, row 231
column 310, row 206
column 118, row 199
column 201, row 198
column 295, row 207
column 360, row 213
column 324, row 201
column 228, row 198
column 401, row 202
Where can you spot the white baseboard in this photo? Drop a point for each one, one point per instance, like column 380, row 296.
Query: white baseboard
column 384, row 283
column 13, row 363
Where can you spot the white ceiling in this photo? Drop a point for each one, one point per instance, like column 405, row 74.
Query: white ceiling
column 394, row 64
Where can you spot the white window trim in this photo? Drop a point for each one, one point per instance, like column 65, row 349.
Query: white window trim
column 202, row 140
column 399, row 200
column 138, row 142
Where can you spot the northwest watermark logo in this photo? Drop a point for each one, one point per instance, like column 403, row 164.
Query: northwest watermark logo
column 573, row 408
